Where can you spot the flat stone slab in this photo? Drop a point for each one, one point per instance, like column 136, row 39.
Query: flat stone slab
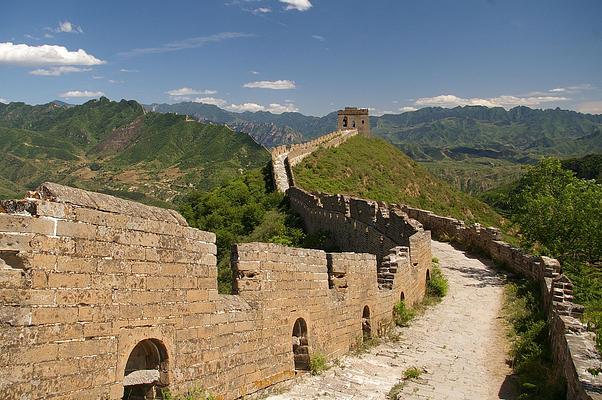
column 141, row 377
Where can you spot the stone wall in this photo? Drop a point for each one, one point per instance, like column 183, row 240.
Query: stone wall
column 98, row 292
column 574, row 351
column 285, row 157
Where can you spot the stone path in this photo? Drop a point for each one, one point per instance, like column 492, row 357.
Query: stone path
column 460, row 343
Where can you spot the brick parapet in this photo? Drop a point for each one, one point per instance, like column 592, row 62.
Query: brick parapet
column 81, row 284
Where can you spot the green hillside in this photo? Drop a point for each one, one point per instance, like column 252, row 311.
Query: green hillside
column 477, row 148
column 374, row 169
column 116, row 147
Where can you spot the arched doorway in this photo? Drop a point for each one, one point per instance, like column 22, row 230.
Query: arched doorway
column 146, row 371
column 300, row 345
column 344, row 122
column 366, row 326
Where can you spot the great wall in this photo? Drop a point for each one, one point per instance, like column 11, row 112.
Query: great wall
column 105, row 298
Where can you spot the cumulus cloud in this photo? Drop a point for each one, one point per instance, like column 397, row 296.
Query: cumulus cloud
column 186, row 91
column 211, row 100
column 3, row 101
column 275, row 85
column 81, row 93
column 262, row 10
column 449, row 100
column 299, row 5
column 58, row 71
column 274, row 108
column 407, row 109
column 590, row 107
column 190, row 43
column 25, row 55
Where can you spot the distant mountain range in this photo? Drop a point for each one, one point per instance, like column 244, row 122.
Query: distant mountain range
column 118, row 148
column 474, row 147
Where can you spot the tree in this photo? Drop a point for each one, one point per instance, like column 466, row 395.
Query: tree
column 559, row 213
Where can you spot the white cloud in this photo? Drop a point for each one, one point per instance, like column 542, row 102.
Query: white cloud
column 3, row 101
column 590, row 107
column 274, row 108
column 407, row 109
column 210, row 100
column 449, row 100
column 81, row 93
column 572, row 89
column 299, row 5
column 275, row 85
column 68, row 27
column 115, row 81
column 128, row 70
column 190, row 43
column 254, row 72
column 318, row 37
column 22, row 54
column 58, row 71
column 97, row 77
column 186, row 91
column 262, row 10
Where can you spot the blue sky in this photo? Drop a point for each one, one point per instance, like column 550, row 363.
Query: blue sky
column 312, row 56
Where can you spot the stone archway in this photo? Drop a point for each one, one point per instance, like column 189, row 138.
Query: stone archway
column 345, row 122
column 146, row 371
column 300, row 345
column 366, row 325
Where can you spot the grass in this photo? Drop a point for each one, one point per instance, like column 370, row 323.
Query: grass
column 317, row 363
column 412, row 373
column 374, row 169
column 436, row 289
column 195, row 393
column 530, row 349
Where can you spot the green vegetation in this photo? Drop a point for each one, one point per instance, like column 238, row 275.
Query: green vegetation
column 246, row 209
column 373, row 169
column 436, row 289
column 395, row 391
column 192, row 394
column 588, row 167
column 114, row 147
column 530, row 350
column 560, row 215
column 317, row 363
column 437, row 286
column 412, row 373
column 402, row 315
column 478, row 148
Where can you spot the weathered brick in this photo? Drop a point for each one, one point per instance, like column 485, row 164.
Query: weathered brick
column 26, row 224
column 53, row 315
column 68, row 280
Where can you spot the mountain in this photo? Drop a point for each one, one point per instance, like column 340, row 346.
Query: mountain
column 373, row 169
column 118, row 148
column 478, row 148
column 266, row 128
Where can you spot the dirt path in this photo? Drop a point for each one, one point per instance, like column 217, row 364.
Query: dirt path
column 460, row 344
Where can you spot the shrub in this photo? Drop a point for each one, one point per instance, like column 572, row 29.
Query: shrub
column 317, row 363
column 402, row 314
column 395, row 391
column 412, row 373
column 437, row 285
column 195, row 393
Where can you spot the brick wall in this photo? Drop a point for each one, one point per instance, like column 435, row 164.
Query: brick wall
column 86, row 277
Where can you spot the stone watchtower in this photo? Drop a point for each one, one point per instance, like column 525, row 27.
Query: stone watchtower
column 354, row 118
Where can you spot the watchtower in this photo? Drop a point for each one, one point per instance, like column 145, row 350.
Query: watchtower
column 354, row 118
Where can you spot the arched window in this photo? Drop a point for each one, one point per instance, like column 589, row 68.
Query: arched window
column 366, row 326
column 300, row 345
column 344, row 122
column 146, row 371
column 402, row 297
column 362, row 122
